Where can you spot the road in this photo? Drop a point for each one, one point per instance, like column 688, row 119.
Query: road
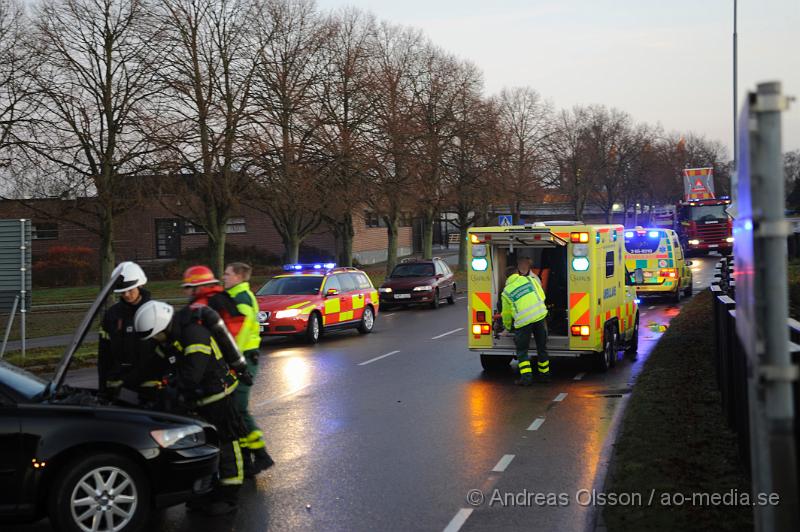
column 392, row 431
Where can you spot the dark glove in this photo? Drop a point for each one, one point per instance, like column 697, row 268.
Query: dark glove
column 243, row 374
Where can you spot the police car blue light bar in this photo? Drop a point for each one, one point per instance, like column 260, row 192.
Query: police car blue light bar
column 315, row 266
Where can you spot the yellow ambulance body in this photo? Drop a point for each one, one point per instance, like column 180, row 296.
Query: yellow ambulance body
column 591, row 309
column 656, row 260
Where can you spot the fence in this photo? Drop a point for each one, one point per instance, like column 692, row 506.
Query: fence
column 732, row 365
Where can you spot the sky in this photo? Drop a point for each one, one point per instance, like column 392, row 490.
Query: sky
column 664, row 62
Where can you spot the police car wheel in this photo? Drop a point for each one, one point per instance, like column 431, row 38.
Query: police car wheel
column 103, row 492
column 314, row 329
column 367, row 321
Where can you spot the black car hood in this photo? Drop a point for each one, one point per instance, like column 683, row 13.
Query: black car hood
column 80, row 333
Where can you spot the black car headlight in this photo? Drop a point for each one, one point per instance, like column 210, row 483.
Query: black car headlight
column 179, row 437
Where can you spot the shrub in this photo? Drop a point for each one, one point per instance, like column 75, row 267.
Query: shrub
column 260, row 260
column 66, row 266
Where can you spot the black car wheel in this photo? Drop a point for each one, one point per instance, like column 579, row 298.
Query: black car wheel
column 435, row 303
column 606, row 358
column 633, row 345
column 99, row 493
column 314, row 328
column 452, row 299
column 491, row 363
column 367, row 321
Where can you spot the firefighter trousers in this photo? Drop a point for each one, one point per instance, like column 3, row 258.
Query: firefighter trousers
column 230, row 427
column 254, row 438
column 522, row 342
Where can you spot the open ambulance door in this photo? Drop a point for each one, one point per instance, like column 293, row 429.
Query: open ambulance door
column 506, row 243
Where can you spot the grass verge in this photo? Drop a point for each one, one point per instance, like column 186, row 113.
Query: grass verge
column 674, row 438
column 43, row 360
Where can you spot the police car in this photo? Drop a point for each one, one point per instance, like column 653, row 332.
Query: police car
column 310, row 299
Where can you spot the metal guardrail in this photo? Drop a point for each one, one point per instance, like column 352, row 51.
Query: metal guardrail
column 732, row 365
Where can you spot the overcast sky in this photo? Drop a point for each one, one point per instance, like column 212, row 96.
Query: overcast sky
column 667, row 62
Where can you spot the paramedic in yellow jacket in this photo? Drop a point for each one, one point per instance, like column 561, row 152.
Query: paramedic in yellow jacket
column 524, row 314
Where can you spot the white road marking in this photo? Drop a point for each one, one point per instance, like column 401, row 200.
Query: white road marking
column 448, row 332
column 538, row 422
column 458, row 521
column 281, row 396
column 378, row 358
column 560, row 397
column 579, row 376
column 460, row 298
column 651, row 308
column 503, row 463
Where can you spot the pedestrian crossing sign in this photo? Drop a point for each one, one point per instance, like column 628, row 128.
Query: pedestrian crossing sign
column 505, row 220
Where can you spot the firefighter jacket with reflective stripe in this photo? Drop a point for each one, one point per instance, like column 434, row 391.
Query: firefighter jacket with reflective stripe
column 202, row 373
column 249, row 336
column 523, row 301
column 123, row 359
column 211, row 320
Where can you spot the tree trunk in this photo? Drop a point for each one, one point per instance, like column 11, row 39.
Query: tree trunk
column 291, row 244
column 428, row 218
column 107, row 255
column 463, row 245
column 392, row 234
column 216, row 249
column 346, row 234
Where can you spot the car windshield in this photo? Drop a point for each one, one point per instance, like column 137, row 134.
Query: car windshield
column 294, row 285
column 643, row 243
column 20, row 381
column 703, row 213
column 413, row 270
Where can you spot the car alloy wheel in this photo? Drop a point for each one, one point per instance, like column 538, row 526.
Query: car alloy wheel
column 367, row 321
column 104, row 499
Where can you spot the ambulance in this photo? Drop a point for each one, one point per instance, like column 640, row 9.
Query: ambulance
column 657, row 262
column 592, row 311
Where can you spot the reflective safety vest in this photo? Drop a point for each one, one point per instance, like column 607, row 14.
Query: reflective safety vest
column 523, row 301
column 248, row 338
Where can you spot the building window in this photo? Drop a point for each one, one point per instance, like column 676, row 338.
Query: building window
column 610, row 264
column 236, row 225
column 190, row 229
column 371, row 219
column 44, row 231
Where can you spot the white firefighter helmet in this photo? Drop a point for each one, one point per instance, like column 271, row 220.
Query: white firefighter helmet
column 132, row 276
column 152, row 318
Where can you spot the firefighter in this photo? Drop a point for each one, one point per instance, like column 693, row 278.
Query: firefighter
column 205, row 385
column 122, row 359
column 236, row 280
column 524, row 314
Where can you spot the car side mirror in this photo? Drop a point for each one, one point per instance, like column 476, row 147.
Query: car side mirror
column 689, row 263
column 439, row 275
column 332, row 292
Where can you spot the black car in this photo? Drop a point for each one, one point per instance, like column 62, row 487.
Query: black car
column 87, row 463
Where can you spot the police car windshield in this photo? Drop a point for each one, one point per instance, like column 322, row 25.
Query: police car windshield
column 642, row 244
column 704, row 213
column 287, row 286
column 413, row 270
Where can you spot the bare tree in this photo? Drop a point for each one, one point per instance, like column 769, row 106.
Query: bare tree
column 291, row 64
column 573, row 173
column 392, row 145
column 94, row 89
column 527, row 124
column 14, row 64
column 210, row 60
column 345, row 115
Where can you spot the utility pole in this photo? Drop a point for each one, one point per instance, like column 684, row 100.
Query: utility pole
column 735, row 87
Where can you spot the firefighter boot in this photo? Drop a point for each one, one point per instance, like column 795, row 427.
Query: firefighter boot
column 262, row 460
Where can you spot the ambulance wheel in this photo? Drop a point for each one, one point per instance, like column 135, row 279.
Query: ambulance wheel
column 633, row 345
column 492, row 363
column 314, row 329
column 605, row 358
column 367, row 321
column 687, row 292
column 676, row 297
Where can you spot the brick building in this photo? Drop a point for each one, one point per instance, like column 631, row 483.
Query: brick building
column 154, row 233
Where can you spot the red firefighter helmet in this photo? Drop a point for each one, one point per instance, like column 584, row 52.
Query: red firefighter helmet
column 198, row 276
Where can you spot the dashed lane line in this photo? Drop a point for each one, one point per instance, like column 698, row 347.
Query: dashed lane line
column 560, row 397
column 579, row 376
column 371, row 360
column 458, row 520
column 281, row 396
column 538, row 422
column 447, row 333
column 503, row 463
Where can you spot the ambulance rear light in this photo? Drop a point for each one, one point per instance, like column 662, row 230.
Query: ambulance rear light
column 480, row 265
column 628, row 234
column 480, row 315
column 579, row 238
column 668, row 272
column 481, row 328
column 474, row 239
column 580, row 264
column 653, row 234
column 580, row 330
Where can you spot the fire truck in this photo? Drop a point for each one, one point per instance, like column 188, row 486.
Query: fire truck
column 700, row 219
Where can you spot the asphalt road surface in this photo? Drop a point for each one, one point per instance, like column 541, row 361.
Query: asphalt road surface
column 395, row 430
